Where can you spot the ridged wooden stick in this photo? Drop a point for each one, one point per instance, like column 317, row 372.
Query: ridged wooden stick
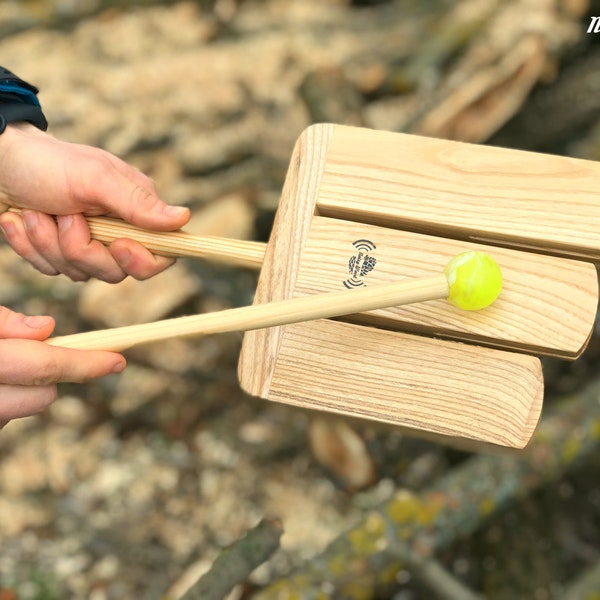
column 238, row 253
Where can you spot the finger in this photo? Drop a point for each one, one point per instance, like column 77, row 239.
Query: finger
column 17, row 325
column 129, row 194
column 138, row 261
column 42, row 231
column 25, row 362
column 18, row 401
column 87, row 255
column 15, row 234
column 142, row 207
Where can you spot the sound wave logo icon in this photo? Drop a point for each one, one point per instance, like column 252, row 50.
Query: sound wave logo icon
column 364, row 245
column 360, row 264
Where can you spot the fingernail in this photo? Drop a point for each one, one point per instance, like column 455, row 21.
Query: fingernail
column 30, row 219
column 175, row 211
column 123, row 256
column 8, row 229
column 119, row 367
column 64, row 222
column 37, row 322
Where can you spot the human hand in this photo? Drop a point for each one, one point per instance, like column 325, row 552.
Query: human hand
column 30, row 369
column 47, row 176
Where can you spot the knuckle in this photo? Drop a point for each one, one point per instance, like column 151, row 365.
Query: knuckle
column 141, row 276
column 142, row 197
column 112, row 277
column 46, row 270
column 70, row 251
column 48, row 372
column 147, row 272
column 70, row 269
column 78, row 277
column 46, row 395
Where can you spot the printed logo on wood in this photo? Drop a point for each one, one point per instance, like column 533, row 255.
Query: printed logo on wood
column 361, row 263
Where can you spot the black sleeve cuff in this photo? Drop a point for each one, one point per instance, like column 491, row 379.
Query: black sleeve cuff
column 18, row 102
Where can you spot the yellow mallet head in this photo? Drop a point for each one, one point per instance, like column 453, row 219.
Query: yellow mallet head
column 474, row 279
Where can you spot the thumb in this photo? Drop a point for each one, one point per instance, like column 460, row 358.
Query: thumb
column 17, row 325
column 133, row 198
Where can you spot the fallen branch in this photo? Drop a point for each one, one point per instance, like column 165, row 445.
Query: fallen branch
column 432, row 574
column 234, row 564
column 586, row 586
column 363, row 563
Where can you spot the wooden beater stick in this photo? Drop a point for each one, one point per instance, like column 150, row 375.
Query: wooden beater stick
column 238, row 253
column 457, row 284
column 257, row 316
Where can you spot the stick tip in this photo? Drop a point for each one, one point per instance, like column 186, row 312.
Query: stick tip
column 474, row 280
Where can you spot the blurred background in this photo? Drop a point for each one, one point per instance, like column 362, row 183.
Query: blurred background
column 128, row 487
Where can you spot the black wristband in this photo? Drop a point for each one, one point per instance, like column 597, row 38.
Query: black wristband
column 18, row 102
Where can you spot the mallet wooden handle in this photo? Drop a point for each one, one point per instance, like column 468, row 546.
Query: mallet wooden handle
column 237, row 253
column 258, row 316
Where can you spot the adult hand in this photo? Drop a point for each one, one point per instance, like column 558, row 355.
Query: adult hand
column 30, row 369
column 49, row 177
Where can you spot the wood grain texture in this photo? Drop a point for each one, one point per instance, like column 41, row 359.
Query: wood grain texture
column 259, row 316
column 547, row 305
column 237, row 253
column 434, row 386
column 480, row 193
column 280, row 267
column 427, row 385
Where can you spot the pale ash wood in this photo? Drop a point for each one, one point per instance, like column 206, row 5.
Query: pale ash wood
column 438, row 387
column 547, row 305
column 258, row 316
column 238, row 253
column 278, row 275
column 322, row 364
column 481, row 193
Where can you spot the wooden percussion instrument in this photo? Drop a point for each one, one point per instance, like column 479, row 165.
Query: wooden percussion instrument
column 361, row 209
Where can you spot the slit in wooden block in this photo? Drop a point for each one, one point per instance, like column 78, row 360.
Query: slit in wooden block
column 547, row 305
column 518, row 199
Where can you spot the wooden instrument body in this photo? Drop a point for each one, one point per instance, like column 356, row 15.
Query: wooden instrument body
column 361, row 207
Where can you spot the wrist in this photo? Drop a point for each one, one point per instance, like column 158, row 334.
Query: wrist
column 14, row 144
column 16, row 132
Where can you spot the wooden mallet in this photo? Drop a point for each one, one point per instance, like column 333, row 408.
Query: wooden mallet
column 471, row 281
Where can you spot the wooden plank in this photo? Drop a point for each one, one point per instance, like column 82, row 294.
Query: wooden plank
column 438, row 387
column 282, row 257
column 547, row 305
column 480, row 193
